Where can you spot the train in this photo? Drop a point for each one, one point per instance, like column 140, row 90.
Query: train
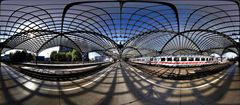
column 177, row 61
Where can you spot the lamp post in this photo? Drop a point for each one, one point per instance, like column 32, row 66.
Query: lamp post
column 238, row 48
column 82, row 59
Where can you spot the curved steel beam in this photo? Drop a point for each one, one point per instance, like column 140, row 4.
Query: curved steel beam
column 68, row 6
column 133, row 49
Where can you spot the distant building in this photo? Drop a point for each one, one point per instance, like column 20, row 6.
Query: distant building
column 5, row 58
column 103, row 59
column 99, row 58
column 85, row 56
column 40, row 58
column 64, row 49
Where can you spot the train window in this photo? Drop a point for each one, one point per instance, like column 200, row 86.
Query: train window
column 162, row 59
column 184, row 59
column 206, row 59
column 197, row 59
column 202, row 59
column 176, row 59
column 151, row 59
column 190, row 59
column 154, row 59
column 169, row 59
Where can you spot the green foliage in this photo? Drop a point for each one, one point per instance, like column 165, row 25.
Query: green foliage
column 75, row 55
column 21, row 56
column 69, row 56
column 53, row 56
column 65, row 56
column 61, row 56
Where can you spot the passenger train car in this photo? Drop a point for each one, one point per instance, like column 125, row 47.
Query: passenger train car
column 176, row 61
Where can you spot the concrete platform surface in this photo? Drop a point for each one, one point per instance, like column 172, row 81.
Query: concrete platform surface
column 120, row 84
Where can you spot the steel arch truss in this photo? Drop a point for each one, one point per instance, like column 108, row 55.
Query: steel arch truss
column 144, row 28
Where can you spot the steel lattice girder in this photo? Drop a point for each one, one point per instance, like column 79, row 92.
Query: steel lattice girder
column 159, row 27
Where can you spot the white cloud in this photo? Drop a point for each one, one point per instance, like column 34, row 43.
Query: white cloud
column 48, row 51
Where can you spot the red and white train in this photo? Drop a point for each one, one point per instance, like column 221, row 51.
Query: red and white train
column 177, row 61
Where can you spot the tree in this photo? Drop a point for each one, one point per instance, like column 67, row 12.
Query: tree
column 61, row 56
column 29, row 57
column 69, row 56
column 21, row 56
column 65, row 56
column 75, row 55
column 53, row 56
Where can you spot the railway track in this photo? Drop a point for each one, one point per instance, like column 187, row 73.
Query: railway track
column 67, row 74
column 182, row 73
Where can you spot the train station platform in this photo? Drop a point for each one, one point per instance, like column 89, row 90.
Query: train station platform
column 182, row 73
column 186, row 44
column 60, row 72
column 120, row 84
column 62, row 65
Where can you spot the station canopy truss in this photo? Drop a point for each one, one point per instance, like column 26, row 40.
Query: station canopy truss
column 132, row 28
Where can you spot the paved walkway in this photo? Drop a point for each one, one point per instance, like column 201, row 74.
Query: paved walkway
column 182, row 73
column 120, row 84
column 63, row 65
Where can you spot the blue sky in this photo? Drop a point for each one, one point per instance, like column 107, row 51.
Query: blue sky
column 46, row 53
column 92, row 55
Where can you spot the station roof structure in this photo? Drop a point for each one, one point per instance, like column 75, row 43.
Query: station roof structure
column 135, row 28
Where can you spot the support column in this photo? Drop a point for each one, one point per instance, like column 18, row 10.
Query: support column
column 239, row 59
column 85, row 57
column 82, row 58
column 36, row 57
column 1, row 47
column 1, row 58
